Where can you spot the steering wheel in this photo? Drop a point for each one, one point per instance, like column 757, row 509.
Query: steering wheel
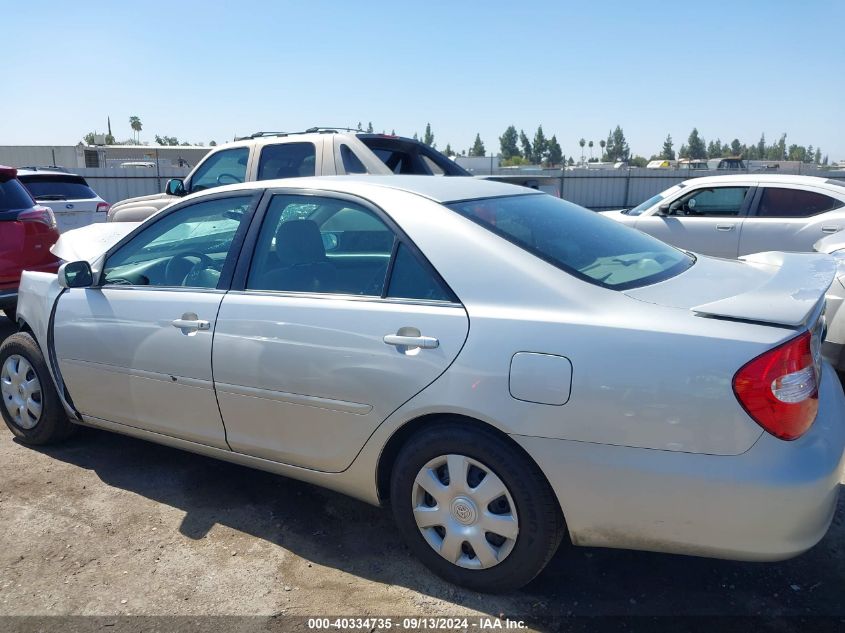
column 180, row 269
column 234, row 179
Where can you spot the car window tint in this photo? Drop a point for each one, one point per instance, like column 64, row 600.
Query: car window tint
column 225, row 167
column 711, row 202
column 13, row 195
column 323, row 245
column 395, row 160
column 582, row 243
column 409, row 279
column 62, row 187
column 433, row 167
column 287, row 160
column 778, row 202
column 187, row 247
column 351, row 163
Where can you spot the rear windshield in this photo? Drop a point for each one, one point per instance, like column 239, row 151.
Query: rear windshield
column 13, row 196
column 580, row 242
column 58, row 187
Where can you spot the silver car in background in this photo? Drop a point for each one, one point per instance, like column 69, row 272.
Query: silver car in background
column 505, row 369
column 731, row 216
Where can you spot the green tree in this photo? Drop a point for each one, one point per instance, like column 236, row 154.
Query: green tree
column 212, row 143
column 582, row 143
column 810, row 156
column 136, row 125
column 541, row 145
column 428, row 137
column 555, row 151
column 714, row 149
column 527, row 151
column 617, row 146
column 570, row 162
column 603, row 144
column 370, row 127
column 761, row 147
column 360, row 127
column 590, row 145
column 825, row 161
column 638, row 161
column 696, row 148
column 477, row 148
column 508, row 143
column 736, row 148
column 818, row 157
column 683, row 152
column 448, row 151
column 667, row 153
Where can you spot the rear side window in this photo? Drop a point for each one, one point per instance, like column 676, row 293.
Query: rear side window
column 13, row 196
column 58, row 187
column 351, row 163
column 579, row 242
column 287, row 160
column 410, row 280
column 777, row 202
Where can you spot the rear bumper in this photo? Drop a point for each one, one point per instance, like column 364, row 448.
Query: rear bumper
column 773, row 502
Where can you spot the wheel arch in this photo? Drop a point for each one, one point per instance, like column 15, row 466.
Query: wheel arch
column 391, row 449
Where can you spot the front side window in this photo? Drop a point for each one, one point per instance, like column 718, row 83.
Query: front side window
column 710, row 202
column 226, row 167
column 287, row 160
column 580, row 242
column 326, row 245
column 186, row 248
column 778, row 202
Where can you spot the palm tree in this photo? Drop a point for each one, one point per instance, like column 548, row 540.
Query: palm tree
column 135, row 124
column 590, row 145
column 602, row 143
column 582, row 143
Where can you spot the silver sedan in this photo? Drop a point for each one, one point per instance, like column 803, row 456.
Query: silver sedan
column 504, row 369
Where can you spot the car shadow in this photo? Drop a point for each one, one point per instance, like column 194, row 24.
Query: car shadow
column 333, row 530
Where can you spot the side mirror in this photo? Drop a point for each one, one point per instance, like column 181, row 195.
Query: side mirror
column 75, row 275
column 664, row 209
column 175, row 187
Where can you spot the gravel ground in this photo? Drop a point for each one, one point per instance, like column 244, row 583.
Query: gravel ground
column 108, row 525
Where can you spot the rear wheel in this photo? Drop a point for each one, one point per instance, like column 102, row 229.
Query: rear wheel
column 474, row 510
column 31, row 407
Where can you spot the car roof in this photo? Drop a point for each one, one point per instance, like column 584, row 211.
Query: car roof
column 437, row 188
column 762, row 178
column 45, row 172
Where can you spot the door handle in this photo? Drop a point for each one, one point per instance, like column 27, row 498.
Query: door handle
column 190, row 324
column 830, row 229
column 724, row 227
column 408, row 342
column 196, row 324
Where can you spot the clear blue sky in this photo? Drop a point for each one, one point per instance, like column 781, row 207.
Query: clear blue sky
column 203, row 70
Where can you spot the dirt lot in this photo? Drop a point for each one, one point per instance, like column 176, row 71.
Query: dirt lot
column 108, row 525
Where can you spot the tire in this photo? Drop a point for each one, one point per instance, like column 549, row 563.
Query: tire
column 21, row 361
column 510, row 560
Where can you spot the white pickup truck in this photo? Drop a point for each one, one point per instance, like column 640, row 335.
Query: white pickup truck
column 315, row 152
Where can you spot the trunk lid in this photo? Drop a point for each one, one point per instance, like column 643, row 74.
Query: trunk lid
column 783, row 289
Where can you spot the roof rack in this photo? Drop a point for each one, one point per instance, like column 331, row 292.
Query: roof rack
column 329, row 129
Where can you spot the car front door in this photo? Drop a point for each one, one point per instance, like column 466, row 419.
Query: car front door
column 790, row 218
column 335, row 323
column 136, row 349
column 706, row 220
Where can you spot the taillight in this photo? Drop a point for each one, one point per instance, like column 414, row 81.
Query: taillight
column 780, row 389
column 38, row 214
column 103, row 207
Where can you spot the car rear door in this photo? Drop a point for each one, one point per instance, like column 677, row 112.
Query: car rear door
column 706, row 219
column 788, row 217
column 333, row 322
column 136, row 349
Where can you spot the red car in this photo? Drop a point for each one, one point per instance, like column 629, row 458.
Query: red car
column 27, row 231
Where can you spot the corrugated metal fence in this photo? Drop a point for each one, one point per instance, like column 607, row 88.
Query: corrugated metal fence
column 591, row 188
column 115, row 185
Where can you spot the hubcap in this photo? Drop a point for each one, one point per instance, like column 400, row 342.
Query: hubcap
column 21, row 391
column 465, row 512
